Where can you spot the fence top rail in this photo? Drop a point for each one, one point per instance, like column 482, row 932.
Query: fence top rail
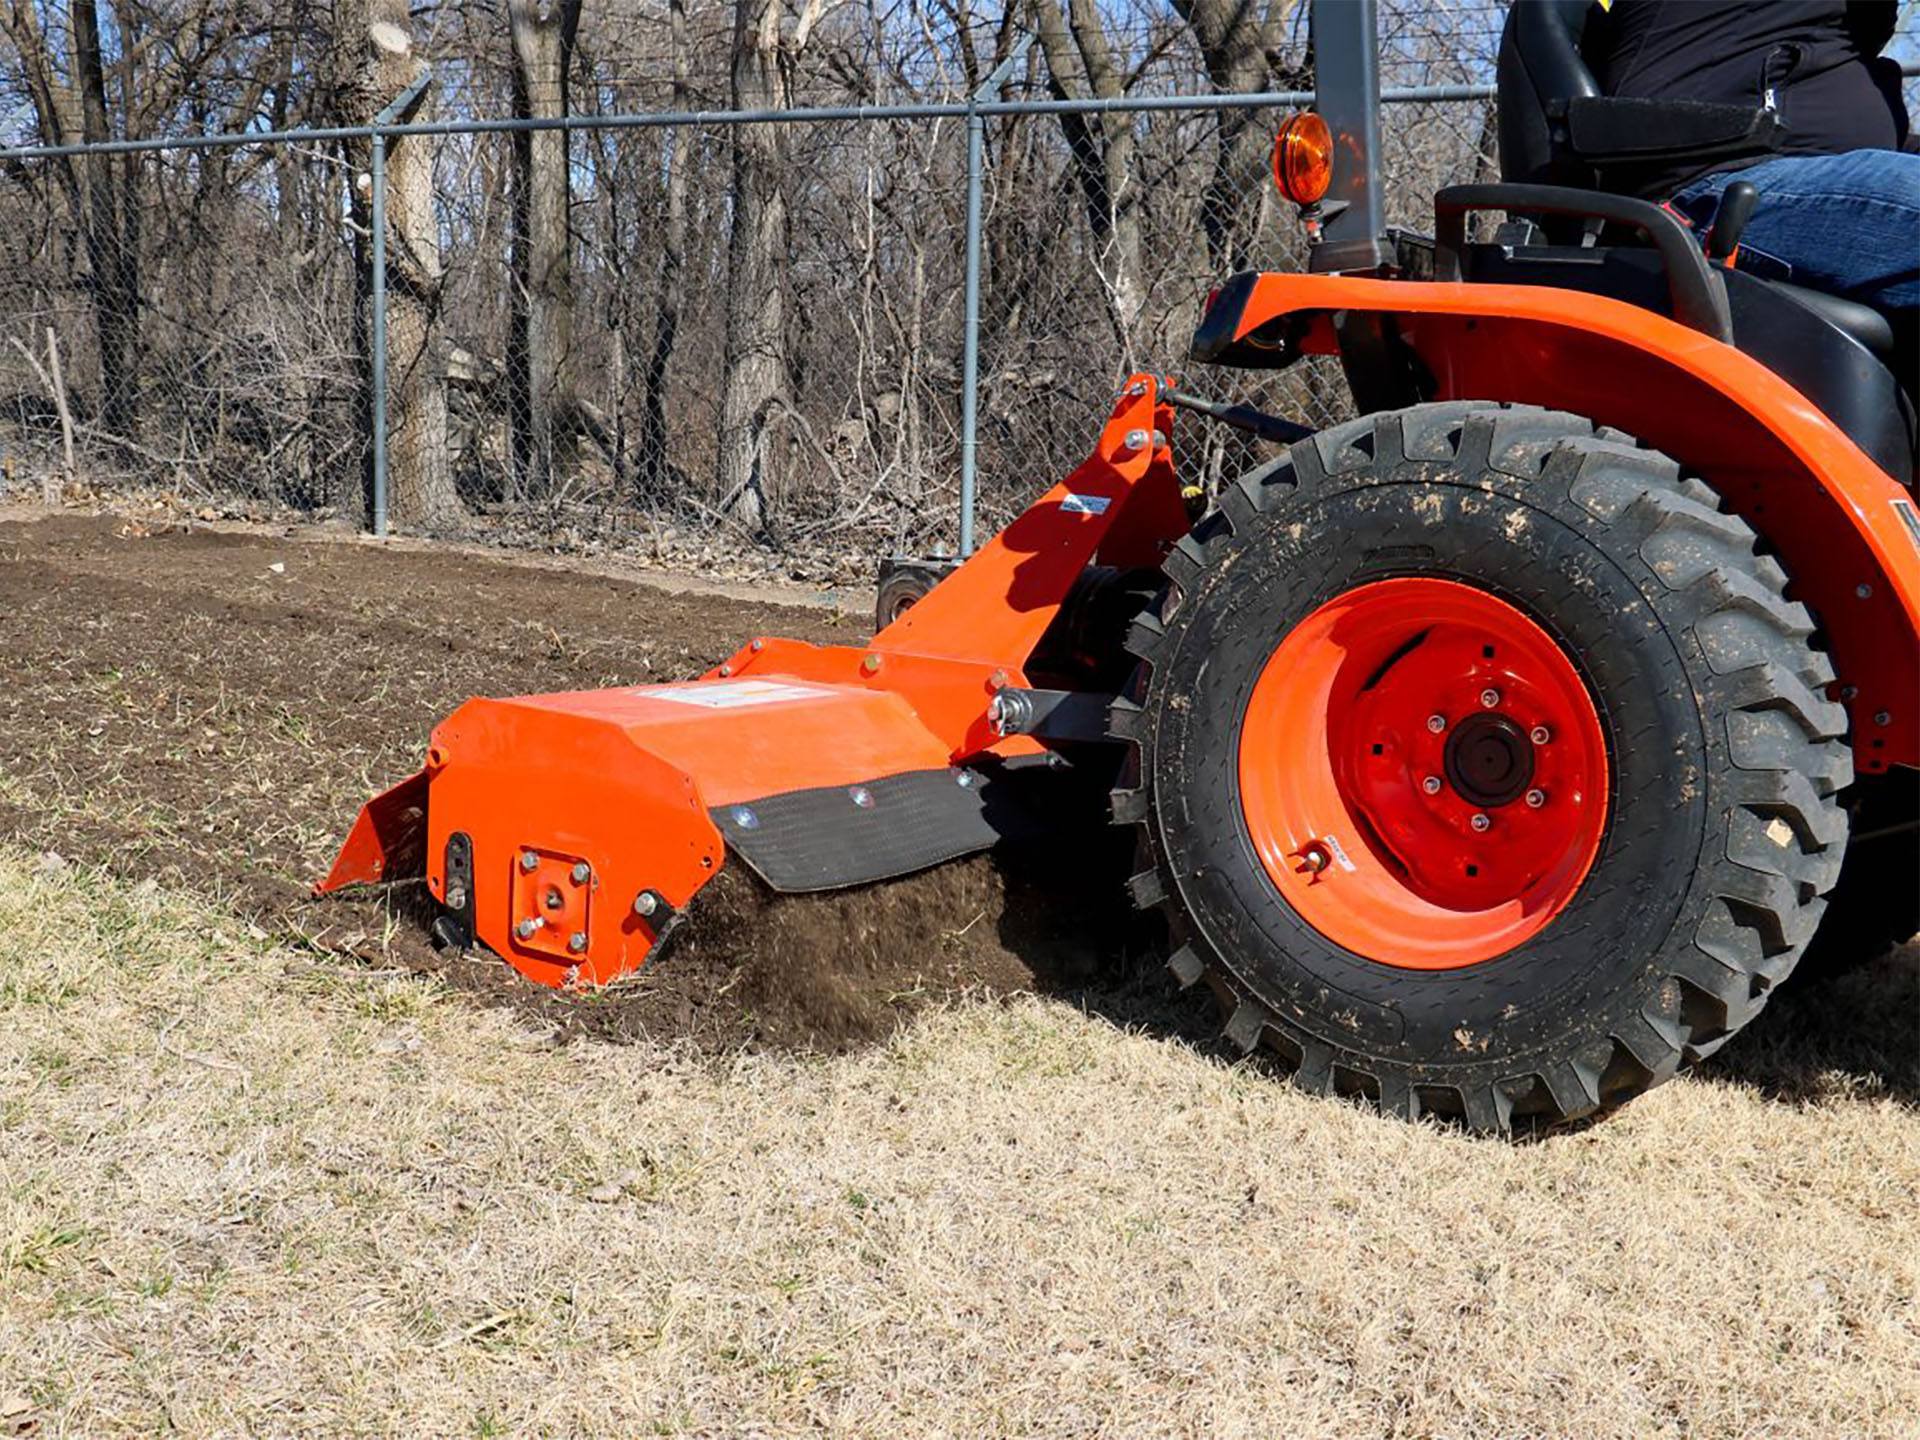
column 658, row 119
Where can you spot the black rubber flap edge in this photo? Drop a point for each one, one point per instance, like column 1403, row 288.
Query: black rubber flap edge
column 841, row 835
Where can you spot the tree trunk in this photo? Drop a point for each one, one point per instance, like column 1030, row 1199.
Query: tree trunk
column 1236, row 39
column 755, row 376
column 375, row 62
column 1102, row 147
column 655, row 456
column 111, row 220
column 540, row 358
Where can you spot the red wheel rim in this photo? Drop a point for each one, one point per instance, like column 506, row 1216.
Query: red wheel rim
column 1371, row 700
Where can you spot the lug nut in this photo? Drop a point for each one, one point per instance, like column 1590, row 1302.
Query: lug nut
column 1489, row 698
column 582, row 872
column 529, row 861
column 1315, row 858
column 1481, row 823
column 1540, row 735
column 645, row 903
column 1436, row 723
column 529, row 927
column 1431, row 784
column 577, row 941
column 1536, row 798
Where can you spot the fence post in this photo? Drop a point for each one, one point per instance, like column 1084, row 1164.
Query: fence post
column 970, row 336
column 377, row 337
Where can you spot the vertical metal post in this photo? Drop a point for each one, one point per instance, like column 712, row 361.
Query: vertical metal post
column 377, row 340
column 1346, row 82
column 970, row 335
column 970, row 339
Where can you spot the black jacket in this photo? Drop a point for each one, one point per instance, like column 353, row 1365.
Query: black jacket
column 1817, row 62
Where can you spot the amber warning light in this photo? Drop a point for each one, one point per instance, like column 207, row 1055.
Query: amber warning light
column 1303, row 159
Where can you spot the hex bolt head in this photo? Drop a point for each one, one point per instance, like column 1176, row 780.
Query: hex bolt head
column 645, row 903
column 529, row 861
column 577, row 941
column 1136, row 439
column 1489, row 698
column 861, row 796
column 964, row 779
column 1863, row 590
column 1540, row 735
column 870, row 664
column 757, row 646
column 1431, row 784
column 1436, row 723
column 1883, row 717
column 1315, row 858
column 724, row 671
column 745, row 818
column 1536, row 798
column 582, row 872
column 457, row 898
column 1481, row 824
column 528, row 927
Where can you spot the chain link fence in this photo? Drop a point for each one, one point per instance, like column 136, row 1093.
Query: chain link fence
column 721, row 335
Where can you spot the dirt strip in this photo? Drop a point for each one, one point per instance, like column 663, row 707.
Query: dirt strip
column 210, row 709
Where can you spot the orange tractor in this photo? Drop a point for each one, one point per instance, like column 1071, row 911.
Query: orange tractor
column 1492, row 755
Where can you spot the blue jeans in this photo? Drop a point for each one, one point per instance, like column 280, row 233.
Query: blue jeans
column 1847, row 224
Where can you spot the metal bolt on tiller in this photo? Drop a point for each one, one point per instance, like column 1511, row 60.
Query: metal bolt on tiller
column 1481, row 823
column 1436, row 723
column 1431, row 784
column 529, row 861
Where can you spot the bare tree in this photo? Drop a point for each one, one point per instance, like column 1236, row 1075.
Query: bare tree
column 540, row 359
column 104, row 190
column 754, row 387
column 1240, row 44
column 374, row 61
column 667, row 301
column 1102, row 149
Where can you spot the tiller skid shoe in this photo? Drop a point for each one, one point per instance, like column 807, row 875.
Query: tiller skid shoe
column 569, row 833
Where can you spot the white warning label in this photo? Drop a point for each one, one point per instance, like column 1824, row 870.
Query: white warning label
column 731, row 694
column 1085, row 504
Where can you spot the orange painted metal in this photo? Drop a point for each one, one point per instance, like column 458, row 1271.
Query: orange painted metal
column 1826, row 509
column 618, row 784
column 1339, row 748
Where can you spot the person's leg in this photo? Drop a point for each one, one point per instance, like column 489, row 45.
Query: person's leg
column 1847, row 224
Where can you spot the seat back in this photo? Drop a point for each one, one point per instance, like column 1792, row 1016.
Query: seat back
column 1540, row 63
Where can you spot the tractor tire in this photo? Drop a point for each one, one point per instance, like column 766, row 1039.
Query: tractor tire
column 1481, row 766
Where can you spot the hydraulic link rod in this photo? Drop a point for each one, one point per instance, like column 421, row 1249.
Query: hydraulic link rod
column 1241, row 417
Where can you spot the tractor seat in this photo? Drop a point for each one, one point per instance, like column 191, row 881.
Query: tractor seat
column 1862, row 322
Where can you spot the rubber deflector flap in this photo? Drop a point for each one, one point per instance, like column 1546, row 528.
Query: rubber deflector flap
column 840, row 835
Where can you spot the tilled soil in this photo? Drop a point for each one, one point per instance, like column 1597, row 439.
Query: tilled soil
column 210, row 709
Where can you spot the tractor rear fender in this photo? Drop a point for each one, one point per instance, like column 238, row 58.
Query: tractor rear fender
column 1845, row 530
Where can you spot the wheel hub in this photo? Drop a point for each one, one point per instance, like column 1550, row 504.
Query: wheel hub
column 1423, row 773
column 1489, row 760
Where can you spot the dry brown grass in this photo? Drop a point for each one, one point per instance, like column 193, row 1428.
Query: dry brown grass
column 249, row 1191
